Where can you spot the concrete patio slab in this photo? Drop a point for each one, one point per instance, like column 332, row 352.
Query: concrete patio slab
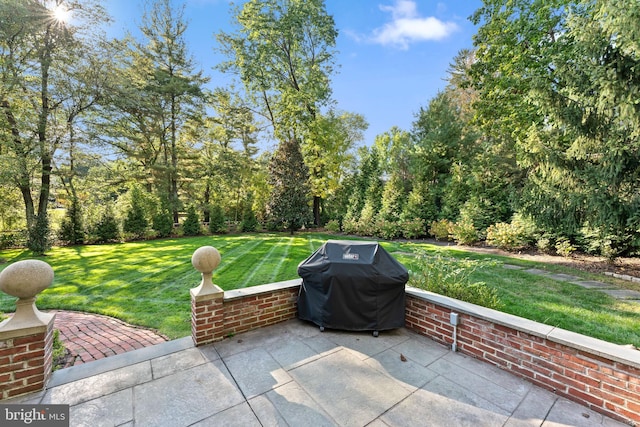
column 289, row 405
column 536, row 271
column 591, row 284
column 623, row 294
column 237, row 416
column 185, row 397
column 349, row 390
column 563, row 277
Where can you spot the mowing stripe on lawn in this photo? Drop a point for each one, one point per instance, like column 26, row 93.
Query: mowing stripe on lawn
column 266, row 258
column 283, row 258
column 231, row 256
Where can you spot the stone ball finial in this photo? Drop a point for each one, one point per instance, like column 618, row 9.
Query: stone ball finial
column 26, row 279
column 205, row 259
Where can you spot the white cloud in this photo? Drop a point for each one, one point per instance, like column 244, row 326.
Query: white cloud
column 407, row 26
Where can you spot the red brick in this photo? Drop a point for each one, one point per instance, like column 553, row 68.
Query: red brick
column 625, row 392
column 634, row 407
column 583, row 362
column 523, row 372
column 586, row 398
column 505, row 357
column 25, row 389
column 555, row 385
column 29, row 373
column 609, row 397
column 603, row 377
column 582, row 379
column 40, row 361
column 29, row 339
column 28, row 355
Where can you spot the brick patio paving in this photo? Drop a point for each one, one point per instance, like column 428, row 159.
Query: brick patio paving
column 90, row 337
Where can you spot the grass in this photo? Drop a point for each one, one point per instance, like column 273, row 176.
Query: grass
column 147, row 283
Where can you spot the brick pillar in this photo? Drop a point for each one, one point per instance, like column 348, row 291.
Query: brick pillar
column 207, row 306
column 26, row 338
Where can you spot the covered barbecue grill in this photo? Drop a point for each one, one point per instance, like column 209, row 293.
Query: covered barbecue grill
column 352, row 285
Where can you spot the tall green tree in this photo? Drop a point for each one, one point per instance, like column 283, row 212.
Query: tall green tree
column 288, row 176
column 39, row 52
column 160, row 91
column 331, row 154
column 572, row 111
column 395, row 148
column 440, row 143
column 283, row 52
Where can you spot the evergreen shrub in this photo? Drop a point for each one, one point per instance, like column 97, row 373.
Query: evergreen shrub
column 217, row 224
column 162, row 223
column 39, row 240
column 464, row 233
column 412, row 229
column 333, row 226
column 249, row 221
column 72, row 227
column 106, row 229
column 191, row 225
column 441, row 229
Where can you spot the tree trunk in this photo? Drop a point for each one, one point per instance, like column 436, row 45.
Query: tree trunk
column 317, row 202
column 174, row 161
column 207, row 196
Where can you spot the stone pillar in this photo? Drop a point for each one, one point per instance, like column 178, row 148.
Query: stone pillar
column 207, row 308
column 26, row 338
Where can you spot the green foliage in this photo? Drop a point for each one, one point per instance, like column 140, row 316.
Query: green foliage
column 559, row 80
column 106, row 229
column 412, row 229
column 289, row 84
column 504, row 236
column 12, row 239
column 350, row 226
column 421, row 203
column 545, row 244
column 564, row 247
column 39, row 240
column 333, row 226
column 162, row 223
column 518, row 234
column 388, row 229
column 135, row 222
column 452, row 278
column 217, row 222
column 394, row 198
column 191, row 224
column 442, row 229
column 464, row 232
column 366, row 187
column 72, row 227
column 249, row 221
column 288, row 176
column 59, row 351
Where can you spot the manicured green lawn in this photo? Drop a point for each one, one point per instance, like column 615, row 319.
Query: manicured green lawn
column 147, row 283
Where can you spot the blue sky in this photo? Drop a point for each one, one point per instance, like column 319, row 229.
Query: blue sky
column 393, row 54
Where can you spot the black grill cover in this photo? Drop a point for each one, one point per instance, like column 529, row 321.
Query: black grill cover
column 352, row 285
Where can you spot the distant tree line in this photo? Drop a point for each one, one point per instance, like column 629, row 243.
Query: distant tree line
column 534, row 142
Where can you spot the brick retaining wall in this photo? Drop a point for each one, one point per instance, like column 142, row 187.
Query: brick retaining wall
column 602, row 376
column 25, row 361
